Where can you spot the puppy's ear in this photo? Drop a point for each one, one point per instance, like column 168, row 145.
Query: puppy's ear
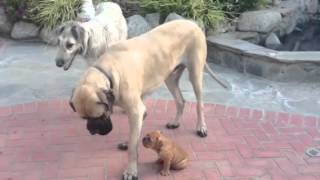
column 70, row 101
column 159, row 142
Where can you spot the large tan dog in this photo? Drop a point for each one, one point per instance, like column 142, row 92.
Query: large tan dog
column 134, row 68
column 171, row 155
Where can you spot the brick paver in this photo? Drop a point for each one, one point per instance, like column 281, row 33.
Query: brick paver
column 45, row 140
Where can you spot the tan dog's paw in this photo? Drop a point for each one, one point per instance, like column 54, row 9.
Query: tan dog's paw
column 202, row 131
column 164, row 173
column 172, row 125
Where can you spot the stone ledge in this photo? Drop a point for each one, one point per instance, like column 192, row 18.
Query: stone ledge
column 257, row 60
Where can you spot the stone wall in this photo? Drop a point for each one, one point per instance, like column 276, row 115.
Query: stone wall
column 249, row 58
column 241, row 49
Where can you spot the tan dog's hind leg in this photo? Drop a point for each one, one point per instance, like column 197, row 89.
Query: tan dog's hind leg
column 196, row 68
column 172, row 83
column 137, row 109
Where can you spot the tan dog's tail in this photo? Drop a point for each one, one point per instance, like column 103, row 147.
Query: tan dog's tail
column 214, row 76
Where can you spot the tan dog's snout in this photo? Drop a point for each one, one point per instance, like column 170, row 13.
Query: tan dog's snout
column 101, row 125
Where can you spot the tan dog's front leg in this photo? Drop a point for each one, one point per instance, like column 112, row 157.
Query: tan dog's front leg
column 135, row 121
column 166, row 157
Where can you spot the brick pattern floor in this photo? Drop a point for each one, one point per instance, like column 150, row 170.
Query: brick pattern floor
column 45, row 140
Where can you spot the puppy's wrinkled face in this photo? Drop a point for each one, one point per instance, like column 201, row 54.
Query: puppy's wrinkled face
column 87, row 103
column 70, row 43
column 152, row 139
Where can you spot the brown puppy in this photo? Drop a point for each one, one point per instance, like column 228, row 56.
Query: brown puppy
column 170, row 153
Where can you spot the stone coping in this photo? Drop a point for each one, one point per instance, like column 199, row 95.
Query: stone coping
column 251, row 49
column 274, row 65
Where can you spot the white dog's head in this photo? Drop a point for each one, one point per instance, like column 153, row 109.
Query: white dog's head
column 72, row 40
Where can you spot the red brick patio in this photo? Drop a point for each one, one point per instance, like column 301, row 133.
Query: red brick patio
column 45, row 140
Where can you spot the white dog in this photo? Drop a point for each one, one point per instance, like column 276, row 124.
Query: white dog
column 90, row 39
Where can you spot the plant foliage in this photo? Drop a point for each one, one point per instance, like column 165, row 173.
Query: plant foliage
column 51, row 13
column 207, row 12
column 15, row 9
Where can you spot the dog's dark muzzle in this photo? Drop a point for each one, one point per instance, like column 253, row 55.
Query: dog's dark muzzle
column 101, row 125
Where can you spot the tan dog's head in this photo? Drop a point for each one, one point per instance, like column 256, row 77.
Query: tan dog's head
column 94, row 105
column 153, row 140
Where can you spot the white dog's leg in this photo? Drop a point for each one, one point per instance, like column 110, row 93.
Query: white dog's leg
column 135, row 120
column 172, row 83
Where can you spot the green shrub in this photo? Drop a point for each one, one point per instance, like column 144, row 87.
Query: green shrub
column 15, row 9
column 207, row 12
column 50, row 13
column 245, row 5
column 238, row 6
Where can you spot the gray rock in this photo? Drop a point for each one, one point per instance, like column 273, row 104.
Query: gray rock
column 173, row 16
column 137, row 25
column 87, row 9
column 276, row 2
column 259, row 21
column 5, row 24
column 153, row 19
column 288, row 24
column 312, row 6
column 23, row 30
column 272, row 41
column 48, row 36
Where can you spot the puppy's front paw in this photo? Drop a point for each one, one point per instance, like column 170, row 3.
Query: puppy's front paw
column 164, row 173
column 130, row 175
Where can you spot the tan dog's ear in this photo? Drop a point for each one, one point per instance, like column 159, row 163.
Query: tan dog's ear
column 109, row 95
column 70, row 101
column 107, row 98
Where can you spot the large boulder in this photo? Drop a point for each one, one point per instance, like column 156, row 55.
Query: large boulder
column 153, row 19
column 5, row 24
column 173, row 16
column 259, row 21
column 23, row 30
column 137, row 25
column 49, row 36
column 312, row 6
column 272, row 41
column 87, row 11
